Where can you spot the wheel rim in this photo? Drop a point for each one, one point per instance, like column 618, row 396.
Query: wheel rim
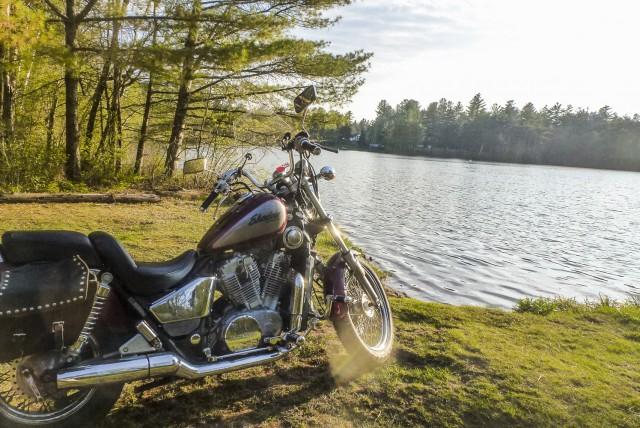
column 371, row 324
column 18, row 401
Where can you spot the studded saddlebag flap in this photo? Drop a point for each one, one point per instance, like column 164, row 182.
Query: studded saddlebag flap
column 35, row 296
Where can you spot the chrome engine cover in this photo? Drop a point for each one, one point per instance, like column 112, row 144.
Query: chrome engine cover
column 274, row 279
column 252, row 316
column 242, row 333
column 240, row 281
column 244, row 330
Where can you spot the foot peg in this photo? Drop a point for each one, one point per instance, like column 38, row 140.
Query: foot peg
column 295, row 338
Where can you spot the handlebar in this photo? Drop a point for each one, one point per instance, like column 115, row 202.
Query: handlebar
column 301, row 143
column 222, row 187
column 309, row 146
column 329, row 149
column 212, row 196
column 252, row 179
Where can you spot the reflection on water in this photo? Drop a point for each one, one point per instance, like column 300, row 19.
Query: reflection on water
column 487, row 234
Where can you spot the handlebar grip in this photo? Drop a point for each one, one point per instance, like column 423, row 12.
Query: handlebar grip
column 212, row 196
column 330, row 149
column 313, row 148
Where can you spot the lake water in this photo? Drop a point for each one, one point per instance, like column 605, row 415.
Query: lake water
column 487, row 234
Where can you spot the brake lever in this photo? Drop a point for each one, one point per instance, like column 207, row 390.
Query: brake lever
column 222, row 199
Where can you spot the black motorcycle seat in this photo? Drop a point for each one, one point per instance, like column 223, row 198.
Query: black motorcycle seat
column 144, row 279
column 20, row 247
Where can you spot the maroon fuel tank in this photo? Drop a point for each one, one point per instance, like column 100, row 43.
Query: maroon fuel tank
column 257, row 217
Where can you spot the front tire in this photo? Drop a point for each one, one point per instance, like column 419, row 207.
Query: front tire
column 20, row 407
column 365, row 331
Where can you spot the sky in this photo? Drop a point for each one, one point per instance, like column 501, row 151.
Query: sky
column 583, row 53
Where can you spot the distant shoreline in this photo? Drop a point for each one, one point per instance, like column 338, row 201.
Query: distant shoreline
column 466, row 155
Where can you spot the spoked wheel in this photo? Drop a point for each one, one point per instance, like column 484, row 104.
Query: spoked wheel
column 29, row 397
column 366, row 330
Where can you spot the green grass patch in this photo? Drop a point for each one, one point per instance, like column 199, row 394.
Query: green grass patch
column 551, row 362
column 625, row 311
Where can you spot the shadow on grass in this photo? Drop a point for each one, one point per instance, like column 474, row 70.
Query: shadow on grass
column 308, row 383
column 251, row 397
column 237, row 401
column 410, row 359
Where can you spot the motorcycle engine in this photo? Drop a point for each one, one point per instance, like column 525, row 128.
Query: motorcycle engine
column 239, row 281
column 254, row 292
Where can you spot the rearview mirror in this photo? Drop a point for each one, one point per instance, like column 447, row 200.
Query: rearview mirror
column 327, row 172
column 305, row 99
column 194, row 166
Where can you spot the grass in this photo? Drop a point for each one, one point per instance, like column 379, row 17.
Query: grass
column 551, row 362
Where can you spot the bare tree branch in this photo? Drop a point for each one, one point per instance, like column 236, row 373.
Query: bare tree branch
column 84, row 12
column 55, row 10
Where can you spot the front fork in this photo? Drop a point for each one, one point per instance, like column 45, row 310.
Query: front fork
column 347, row 254
column 302, row 290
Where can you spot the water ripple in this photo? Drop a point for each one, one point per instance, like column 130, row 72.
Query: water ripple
column 490, row 234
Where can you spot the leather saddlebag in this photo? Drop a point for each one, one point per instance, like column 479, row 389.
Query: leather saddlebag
column 36, row 297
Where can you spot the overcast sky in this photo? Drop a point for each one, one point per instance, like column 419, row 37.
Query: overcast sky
column 584, row 53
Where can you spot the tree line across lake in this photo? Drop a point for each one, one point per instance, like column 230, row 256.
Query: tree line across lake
column 94, row 92
column 556, row 135
column 97, row 92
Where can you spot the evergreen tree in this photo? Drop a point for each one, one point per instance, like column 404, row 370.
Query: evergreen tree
column 407, row 126
column 383, row 124
column 476, row 108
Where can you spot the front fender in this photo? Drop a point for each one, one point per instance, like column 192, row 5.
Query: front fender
column 334, row 278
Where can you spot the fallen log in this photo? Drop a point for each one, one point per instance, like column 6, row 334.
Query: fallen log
column 182, row 194
column 104, row 198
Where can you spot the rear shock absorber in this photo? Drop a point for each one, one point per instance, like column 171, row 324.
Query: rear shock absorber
column 99, row 300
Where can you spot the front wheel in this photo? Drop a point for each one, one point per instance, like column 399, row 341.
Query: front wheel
column 366, row 331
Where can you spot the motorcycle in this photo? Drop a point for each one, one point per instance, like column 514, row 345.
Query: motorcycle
column 80, row 317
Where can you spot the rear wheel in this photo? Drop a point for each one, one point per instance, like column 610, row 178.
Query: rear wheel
column 366, row 330
column 29, row 397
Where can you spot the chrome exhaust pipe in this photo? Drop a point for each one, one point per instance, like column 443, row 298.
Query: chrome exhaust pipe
column 156, row 365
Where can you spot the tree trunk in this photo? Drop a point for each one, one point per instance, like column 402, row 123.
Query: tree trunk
column 51, row 121
column 104, row 127
column 71, row 21
column 177, row 131
column 117, row 117
column 113, row 131
column 8, row 103
column 72, row 168
column 184, row 95
column 96, row 98
column 143, row 129
column 71, row 81
column 2, row 142
column 4, row 156
column 114, row 116
column 9, row 54
column 137, row 168
column 27, row 78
